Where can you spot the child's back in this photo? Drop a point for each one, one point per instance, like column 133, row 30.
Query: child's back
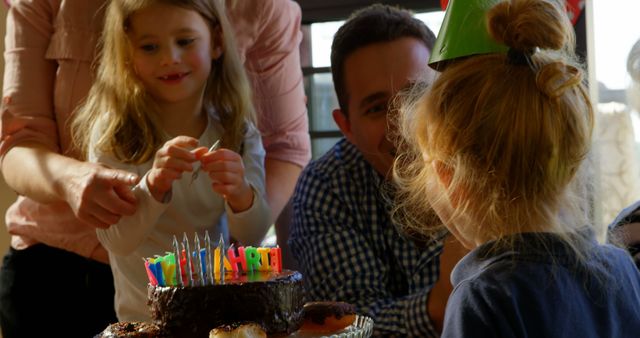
column 546, row 290
column 502, row 135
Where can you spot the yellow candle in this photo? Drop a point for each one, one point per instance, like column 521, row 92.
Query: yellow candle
column 216, row 263
column 264, row 259
column 169, row 269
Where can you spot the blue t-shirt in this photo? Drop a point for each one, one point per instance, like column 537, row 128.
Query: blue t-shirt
column 541, row 289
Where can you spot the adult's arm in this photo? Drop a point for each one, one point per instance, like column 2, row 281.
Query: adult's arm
column 123, row 237
column 273, row 65
column 32, row 163
column 281, row 180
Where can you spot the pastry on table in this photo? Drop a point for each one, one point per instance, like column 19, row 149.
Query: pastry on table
column 238, row 330
column 327, row 317
column 130, row 330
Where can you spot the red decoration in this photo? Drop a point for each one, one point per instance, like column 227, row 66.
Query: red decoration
column 574, row 8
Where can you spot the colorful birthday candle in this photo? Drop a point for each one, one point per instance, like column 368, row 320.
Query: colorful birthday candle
column 152, row 278
column 252, row 258
column 152, row 268
column 221, row 261
column 207, row 247
column 168, row 264
column 264, row 259
column 187, row 249
column 276, row 259
column 176, row 251
column 159, row 272
column 200, row 261
column 237, row 259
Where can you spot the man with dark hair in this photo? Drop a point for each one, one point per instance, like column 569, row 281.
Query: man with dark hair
column 342, row 236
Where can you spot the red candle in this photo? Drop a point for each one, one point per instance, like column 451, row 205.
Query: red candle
column 235, row 259
column 152, row 278
column 276, row 259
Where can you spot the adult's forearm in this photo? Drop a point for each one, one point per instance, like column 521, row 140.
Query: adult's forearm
column 281, row 180
column 35, row 171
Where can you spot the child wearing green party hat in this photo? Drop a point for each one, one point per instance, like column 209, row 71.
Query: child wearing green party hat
column 501, row 137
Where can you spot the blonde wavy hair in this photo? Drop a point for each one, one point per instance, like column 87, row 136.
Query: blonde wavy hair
column 120, row 105
column 514, row 134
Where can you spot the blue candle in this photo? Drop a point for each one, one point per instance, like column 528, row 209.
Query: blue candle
column 203, row 266
column 158, row 273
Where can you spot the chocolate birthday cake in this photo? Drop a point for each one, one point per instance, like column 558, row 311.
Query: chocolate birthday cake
column 269, row 298
column 192, row 292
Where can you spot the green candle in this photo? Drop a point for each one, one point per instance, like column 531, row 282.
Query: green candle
column 253, row 258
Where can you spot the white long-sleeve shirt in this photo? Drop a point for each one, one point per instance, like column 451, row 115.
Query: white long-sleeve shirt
column 192, row 208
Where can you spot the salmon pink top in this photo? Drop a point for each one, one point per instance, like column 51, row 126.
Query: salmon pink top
column 49, row 48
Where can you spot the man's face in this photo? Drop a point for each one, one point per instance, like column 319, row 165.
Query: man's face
column 373, row 75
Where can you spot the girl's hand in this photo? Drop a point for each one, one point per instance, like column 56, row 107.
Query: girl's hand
column 226, row 170
column 174, row 158
column 99, row 196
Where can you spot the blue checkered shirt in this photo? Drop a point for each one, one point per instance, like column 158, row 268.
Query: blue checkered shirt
column 349, row 250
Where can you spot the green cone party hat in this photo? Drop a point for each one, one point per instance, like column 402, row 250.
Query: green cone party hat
column 464, row 32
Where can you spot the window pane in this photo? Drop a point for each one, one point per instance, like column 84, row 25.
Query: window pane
column 433, row 20
column 322, row 35
column 321, row 38
column 614, row 34
column 321, row 101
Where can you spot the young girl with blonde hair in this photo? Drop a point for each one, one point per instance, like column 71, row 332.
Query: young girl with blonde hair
column 500, row 138
column 169, row 85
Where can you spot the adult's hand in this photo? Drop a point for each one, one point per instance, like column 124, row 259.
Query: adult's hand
column 99, row 196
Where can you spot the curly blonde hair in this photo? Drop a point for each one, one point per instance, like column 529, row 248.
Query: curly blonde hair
column 512, row 132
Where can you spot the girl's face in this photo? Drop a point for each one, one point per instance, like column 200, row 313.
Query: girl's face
column 173, row 48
